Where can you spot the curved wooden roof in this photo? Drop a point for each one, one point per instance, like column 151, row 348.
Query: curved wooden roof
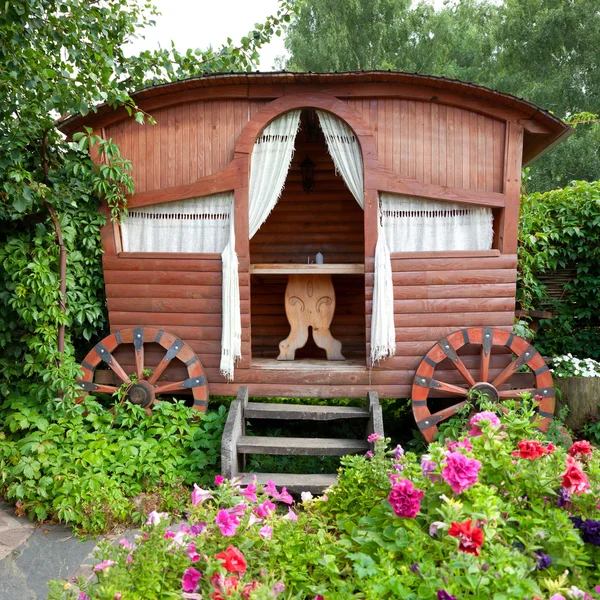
column 547, row 129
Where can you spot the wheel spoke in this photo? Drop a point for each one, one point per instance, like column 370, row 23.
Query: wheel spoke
column 451, row 389
column 139, row 361
column 169, row 387
column 484, row 371
column 446, row 413
column 507, row 373
column 162, row 365
column 462, row 369
column 118, row 370
column 516, row 393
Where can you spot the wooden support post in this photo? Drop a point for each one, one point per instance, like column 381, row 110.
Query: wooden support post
column 375, row 424
column 230, row 463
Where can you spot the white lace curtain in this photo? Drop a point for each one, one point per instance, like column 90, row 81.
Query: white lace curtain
column 420, row 225
column 347, row 158
column 345, row 151
column 196, row 225
column 270, row 163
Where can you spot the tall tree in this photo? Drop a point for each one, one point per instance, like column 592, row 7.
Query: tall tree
column 547, row 51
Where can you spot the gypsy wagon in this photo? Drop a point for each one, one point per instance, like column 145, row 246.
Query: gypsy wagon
column 319, row 235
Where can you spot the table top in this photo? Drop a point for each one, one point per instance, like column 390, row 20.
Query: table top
column 301, row 269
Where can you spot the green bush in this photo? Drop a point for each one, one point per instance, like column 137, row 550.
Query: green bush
column 360, row 541
column 93, row 469
column 560, row 229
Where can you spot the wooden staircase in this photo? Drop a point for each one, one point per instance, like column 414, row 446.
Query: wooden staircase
column 235, row 444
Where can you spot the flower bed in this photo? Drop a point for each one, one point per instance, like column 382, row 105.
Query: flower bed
column 499, row 513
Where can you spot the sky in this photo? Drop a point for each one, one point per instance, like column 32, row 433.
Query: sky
column 199, row 23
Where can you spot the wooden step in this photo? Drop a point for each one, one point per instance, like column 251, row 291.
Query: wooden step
column 302, row 412
column 315, row 484
column 300, row 446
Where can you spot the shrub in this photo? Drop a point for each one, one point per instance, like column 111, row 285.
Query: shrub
column 501, row 514
column 93, row 469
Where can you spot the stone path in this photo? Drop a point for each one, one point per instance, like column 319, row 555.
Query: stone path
column 31, row 556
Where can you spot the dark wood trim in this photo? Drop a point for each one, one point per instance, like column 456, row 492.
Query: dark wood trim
column 170, row 255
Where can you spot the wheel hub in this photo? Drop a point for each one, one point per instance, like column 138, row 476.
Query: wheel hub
column 141, row 393
column 487, row 389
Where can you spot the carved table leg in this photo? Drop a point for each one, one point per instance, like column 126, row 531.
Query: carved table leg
column 310, row 302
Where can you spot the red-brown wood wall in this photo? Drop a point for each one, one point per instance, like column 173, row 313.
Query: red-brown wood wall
column 424, row 141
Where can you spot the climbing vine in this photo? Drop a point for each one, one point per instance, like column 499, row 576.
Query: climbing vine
column 559, row 232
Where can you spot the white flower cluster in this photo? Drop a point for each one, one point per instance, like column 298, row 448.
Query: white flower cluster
column 569, row 366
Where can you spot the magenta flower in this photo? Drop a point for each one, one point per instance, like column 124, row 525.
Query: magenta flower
column 190, row 579
column 264, row 509
column 428, row 467
column 460, row 471
column 192, row 553
column 83, row 596
column 374, row 437
column 398, row 452
column 227, row 523
column 125, row 543
column 486, row 415
column 249, row 493
column 405, row 499
column 200, row 495
column 169, row 534
column 466, row 444
column 105, row 564
column 266, row 532
column 219, row 479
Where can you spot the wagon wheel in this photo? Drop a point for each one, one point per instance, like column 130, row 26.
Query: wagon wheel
column 143, row 389
column 479, row 380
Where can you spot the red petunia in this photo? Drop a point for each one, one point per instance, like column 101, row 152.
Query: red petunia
column 532, row 449
column 223, row 586
column 574, row 480
column 582, row 447
column 233, row 560
column 470, row 538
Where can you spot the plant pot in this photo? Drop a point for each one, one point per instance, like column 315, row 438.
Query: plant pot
column 581, row 395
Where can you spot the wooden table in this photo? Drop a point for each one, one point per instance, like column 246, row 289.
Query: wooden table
column 309, row 302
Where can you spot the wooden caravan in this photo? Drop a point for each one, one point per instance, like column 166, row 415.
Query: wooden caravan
column 439, row 180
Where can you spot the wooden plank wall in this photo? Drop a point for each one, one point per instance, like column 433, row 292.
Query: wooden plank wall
column 438, row 144
column 188, row 141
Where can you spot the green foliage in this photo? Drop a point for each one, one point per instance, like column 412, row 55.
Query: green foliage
column 559, row 229
column 94, row 469
column 65, row 57
column 351, row 544
column 542, row 50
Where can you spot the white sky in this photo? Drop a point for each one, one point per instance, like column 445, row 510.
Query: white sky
column 199, row 23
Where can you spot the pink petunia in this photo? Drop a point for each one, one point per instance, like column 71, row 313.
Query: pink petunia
column 154, row 518
column 227, row 523
column 466, row 444
column 266, row 532
column 486, row 415
column 460, row 471
column 190, row 579
column 105, row 564
column 574, row 479
column 284, row 497
column 264, row 510
column 238, row 510
column 374, row 437
column 249, row 493
column 200, row 495
column 192, row 552
column 271, row 489
column 292, row 516
column 125, row 543
column 219, row 479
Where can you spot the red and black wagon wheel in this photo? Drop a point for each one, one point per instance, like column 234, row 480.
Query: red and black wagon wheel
column 479, row 378
column 143, row 387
